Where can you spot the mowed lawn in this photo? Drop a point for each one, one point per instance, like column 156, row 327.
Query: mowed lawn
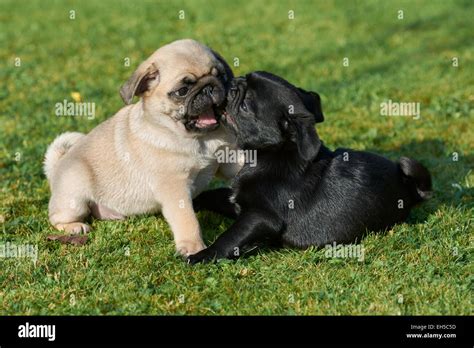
column 423, row 266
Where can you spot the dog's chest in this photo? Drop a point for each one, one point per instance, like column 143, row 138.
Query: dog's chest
column 201, row 173
column 203, row 167
column 252, row 190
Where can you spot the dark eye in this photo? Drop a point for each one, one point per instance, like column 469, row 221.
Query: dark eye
column 243, row 106
column 182, row 91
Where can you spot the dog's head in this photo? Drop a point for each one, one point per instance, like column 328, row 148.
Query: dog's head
column 184, row 80
column 265, row 111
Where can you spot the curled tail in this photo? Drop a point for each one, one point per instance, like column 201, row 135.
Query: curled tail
column 57, row 149
column 418, row 175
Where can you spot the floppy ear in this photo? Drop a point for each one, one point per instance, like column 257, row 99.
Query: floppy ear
column 312, row 103
column 139, row 82
column 301, row 129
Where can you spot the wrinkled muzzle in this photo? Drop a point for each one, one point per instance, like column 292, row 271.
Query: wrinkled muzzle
column 204, row 104
column 235, row 95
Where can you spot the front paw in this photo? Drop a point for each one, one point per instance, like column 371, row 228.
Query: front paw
column 204, row 256
column 189, row 247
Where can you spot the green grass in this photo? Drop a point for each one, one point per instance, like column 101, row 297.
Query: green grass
column 420, row 267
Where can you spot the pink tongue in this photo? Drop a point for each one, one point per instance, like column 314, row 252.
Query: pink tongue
column 207, row 118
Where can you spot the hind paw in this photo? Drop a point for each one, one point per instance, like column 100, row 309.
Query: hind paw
column 74, row 228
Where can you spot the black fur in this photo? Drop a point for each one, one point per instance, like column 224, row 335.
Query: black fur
column 301, row 193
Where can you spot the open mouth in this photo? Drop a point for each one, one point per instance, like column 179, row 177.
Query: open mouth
column 208, row 120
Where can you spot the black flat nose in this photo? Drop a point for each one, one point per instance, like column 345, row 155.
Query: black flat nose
column 208, row 89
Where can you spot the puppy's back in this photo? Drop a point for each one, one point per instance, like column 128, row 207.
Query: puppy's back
column 356, row 192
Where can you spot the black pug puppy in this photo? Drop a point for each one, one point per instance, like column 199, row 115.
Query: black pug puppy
column 300, row 193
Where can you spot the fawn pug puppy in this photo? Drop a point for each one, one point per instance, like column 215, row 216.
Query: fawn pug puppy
column 301, row 193
column 154, row 155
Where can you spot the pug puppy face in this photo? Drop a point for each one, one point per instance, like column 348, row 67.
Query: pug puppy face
column 265, row 111
column 185, row 81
